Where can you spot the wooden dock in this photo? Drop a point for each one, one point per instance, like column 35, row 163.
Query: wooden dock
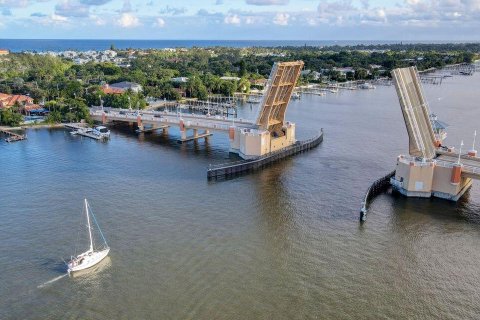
column 13, row 137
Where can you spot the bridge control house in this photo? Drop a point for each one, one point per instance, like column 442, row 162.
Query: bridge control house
column 430, row 169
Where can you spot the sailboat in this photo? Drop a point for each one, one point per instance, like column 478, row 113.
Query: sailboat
column 93, row 255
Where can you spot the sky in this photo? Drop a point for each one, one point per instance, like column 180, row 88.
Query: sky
column 422, row 20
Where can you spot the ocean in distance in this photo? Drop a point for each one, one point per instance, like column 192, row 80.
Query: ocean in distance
column 19, row 45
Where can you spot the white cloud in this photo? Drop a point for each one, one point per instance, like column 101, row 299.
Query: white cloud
column 232, row 19
column 281, row 19
column 58, row 18
column 128, row 20
column 267, row 2
column 159, row 23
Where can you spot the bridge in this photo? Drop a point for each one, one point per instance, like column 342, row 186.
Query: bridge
column 429, row 169
column 250, row 139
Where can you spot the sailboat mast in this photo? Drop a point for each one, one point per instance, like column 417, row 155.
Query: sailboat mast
column 89, row 226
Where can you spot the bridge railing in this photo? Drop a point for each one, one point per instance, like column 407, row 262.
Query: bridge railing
column 162, row 114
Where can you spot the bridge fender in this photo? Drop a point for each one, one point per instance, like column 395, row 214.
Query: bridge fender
column 139, row 121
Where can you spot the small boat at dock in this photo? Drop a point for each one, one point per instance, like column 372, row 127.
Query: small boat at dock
column 366, row 86
column 97, row 132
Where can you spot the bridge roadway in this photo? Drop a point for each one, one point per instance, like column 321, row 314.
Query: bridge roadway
column 165, row 118
column 471, row 165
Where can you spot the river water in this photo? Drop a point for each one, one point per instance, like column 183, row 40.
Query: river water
column 283, row 243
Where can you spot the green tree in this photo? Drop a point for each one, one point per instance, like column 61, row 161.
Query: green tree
column 10, row 117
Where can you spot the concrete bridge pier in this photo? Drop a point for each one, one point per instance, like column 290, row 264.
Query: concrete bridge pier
column 194, row 136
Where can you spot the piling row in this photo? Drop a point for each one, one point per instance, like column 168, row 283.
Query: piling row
column 377, row 187
column 230, row 169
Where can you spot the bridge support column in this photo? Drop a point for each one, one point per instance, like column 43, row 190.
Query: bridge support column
column 139, row 123
column 193, row 137
column 183, row 134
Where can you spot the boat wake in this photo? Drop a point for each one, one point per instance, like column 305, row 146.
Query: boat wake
column 52, row 281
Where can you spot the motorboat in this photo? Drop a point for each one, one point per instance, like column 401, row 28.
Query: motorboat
column 101, row 131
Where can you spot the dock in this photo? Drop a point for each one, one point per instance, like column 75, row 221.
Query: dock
column 81, row 130
column 13, row 137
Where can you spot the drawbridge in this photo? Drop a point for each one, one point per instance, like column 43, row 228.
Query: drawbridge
column 429, row 169
column 250, row 138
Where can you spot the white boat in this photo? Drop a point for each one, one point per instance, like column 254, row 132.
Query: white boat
column 93, row 255
column 366, row 86
column 101, row 131
column 296, row 96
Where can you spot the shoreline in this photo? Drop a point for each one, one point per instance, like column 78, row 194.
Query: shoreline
column 37, row 126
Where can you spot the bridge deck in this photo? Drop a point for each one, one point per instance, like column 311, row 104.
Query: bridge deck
column 165, row 118
column 471, row 165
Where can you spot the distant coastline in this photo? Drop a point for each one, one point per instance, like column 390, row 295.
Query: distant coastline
column 41, row 45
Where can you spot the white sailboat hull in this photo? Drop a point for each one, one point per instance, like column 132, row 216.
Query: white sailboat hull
column 86, row 260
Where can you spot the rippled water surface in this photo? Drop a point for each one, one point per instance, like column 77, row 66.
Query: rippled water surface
column 284, row 243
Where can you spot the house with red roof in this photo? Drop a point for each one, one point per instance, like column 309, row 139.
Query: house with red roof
column 9, row 100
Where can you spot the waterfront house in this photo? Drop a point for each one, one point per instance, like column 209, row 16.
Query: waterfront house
column 126, row 85
column 344, row 71
column 9, row 100
column 4, row 52
column 121, row 87
column 109, row 90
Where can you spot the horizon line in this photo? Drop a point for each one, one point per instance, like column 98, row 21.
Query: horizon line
column 255, row 40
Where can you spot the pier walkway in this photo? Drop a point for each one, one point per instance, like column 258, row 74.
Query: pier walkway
column 13, row 137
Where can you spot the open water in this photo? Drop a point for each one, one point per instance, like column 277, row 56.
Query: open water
column 39, row 45
column 283, row 243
